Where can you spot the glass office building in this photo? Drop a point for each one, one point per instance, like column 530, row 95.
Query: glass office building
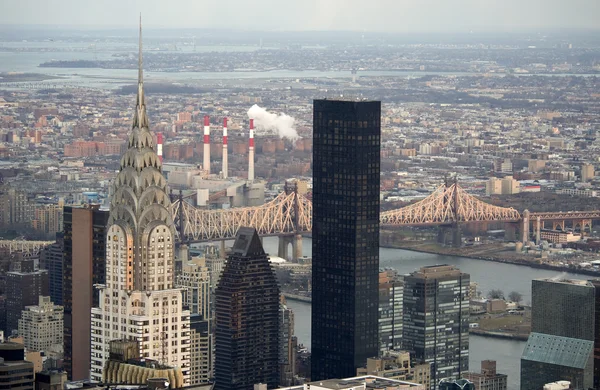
column 345, row 236
column 436, row 320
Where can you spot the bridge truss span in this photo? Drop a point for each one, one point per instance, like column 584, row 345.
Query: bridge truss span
column 448, row 204
column 24, row 246
column 288, row 213
column 564, row 215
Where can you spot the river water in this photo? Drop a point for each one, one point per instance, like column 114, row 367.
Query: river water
column 488, row 275
column 28, row 62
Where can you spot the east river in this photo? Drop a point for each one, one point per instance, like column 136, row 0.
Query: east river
column 489, row 275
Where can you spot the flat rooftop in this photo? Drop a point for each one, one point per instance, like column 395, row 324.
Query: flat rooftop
column 576, row 282
column 368, row 381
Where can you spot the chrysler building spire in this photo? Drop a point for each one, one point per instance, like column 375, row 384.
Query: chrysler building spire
column 138, row 293
column 140, row 200
column 140, row 119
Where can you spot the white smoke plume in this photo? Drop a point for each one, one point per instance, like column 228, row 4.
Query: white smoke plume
column 283, row 124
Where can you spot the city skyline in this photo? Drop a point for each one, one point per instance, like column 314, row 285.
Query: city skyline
column 270, row 15
column 492, row 136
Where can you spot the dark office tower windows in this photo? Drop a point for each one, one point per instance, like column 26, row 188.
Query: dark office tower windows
column 83, row 266
column 24, row 285
column 561, row 343
column 596, row 284
column 345, row 279
column 436, row 320
column 51, row 259
column 563, row 308
column 247, row 318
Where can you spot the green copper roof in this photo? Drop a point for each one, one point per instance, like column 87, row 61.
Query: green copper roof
column 562, row 351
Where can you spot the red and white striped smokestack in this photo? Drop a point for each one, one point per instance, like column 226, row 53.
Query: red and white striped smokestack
column 251, row 152
column 159, row 146
column 206, row 163
column 225, row 162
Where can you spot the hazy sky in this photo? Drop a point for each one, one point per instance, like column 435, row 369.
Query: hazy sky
column 268, row 15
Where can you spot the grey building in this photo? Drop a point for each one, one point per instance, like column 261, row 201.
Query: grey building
column 345, row 236
column 391, row 296
column 454, row 384
column 51, row 259
column 561, row 344
column 15, row 372
column 287, row 345
column 436, row 320
column 596, row 283
column 563, row 308
column 23, row 287
column 488, row 378
column 201, row 355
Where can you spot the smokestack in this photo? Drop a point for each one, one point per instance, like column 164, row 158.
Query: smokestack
column 206, row 163
column 225, row 163
column 159, row 143
column 251, row 152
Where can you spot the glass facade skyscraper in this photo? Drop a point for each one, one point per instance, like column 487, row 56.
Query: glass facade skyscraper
column 345, row 236
column 436, row 320
column 247, row 318
column 391, row 292
column 563, row 308
column 561, row 343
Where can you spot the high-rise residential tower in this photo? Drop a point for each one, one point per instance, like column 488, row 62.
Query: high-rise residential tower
column 436, row 320
column 247, row 318
column 345, row 237
column 195, row 284
column 84, row 266
column 138, row 301
column 41, row 326
column 194, row 281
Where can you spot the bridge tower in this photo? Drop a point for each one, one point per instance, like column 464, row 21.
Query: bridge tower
column 295, row 238
column 450, row 232
column 525, row 232
column 456, row 233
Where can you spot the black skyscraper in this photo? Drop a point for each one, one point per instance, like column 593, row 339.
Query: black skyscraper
column 346, row 161
column 247, row 318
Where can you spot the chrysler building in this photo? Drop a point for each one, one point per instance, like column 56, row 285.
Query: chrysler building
column 138, row 301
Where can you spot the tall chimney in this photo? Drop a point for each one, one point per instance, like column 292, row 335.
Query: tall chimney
column 159, row 146
column 225, row 163
column 251, row 152
column 206, row 163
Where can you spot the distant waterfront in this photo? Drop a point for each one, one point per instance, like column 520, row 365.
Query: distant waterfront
column 29, row 61
column 489, row 275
